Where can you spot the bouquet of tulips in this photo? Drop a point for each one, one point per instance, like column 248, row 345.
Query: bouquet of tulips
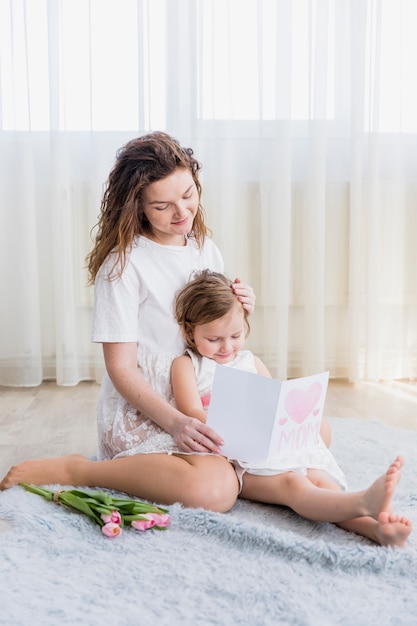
column 111, row 513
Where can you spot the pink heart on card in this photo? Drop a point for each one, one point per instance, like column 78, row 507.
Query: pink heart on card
column 299, row 404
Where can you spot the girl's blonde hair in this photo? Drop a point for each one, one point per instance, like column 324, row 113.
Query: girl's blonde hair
column 207, row 297
column 139, row 163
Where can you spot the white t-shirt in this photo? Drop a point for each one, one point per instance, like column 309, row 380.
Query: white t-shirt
column 138, row 306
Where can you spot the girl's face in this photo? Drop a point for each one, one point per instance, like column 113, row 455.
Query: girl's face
column 170, row 205
column 222, row 339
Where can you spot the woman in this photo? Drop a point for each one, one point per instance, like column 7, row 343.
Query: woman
column 151, row 237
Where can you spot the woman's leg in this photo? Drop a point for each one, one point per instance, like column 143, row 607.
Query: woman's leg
column 318, row 498
column 194, row 480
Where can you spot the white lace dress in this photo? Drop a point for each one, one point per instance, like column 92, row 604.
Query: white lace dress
column 138, row 307
column 124, row 431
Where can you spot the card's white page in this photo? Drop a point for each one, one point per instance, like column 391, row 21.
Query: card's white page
column 299, row 414
column 242, row 411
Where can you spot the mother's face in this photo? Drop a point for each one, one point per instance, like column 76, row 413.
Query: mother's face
column 170, row 205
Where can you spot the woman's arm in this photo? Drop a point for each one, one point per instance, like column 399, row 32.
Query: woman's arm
column 121, row 365
column 184, row 386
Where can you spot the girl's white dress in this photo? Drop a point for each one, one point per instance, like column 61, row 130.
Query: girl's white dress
column 138, row 307
column 298, row 460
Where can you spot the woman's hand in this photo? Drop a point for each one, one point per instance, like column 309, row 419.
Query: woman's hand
column 245, row 295
column 192, row 435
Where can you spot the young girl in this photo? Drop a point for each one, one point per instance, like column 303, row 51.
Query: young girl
column 214, row 326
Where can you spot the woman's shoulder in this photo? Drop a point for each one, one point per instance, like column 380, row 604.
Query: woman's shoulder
column 143, row 244
column 210, row 256
column 208, row 244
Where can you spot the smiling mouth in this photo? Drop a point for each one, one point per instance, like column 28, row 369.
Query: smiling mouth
column 181, row 222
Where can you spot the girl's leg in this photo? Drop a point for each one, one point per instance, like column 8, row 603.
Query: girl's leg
column 194, row 480
column 388, row 530
column 314, row 498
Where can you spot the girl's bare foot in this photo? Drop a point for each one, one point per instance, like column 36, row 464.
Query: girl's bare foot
column 392, row 529
column 59, row 470
column 378, row 496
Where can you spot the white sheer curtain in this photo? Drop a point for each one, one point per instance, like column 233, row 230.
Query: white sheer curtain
column 303, row 115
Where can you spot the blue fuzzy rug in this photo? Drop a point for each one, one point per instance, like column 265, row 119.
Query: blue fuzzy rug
column 257, row 565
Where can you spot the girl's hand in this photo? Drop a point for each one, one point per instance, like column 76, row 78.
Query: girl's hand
column 192, row 435
column 245, row 295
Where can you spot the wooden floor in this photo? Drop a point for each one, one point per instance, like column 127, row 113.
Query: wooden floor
column 51, row 421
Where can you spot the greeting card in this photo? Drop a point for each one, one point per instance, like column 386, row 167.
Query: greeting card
column 259, row 418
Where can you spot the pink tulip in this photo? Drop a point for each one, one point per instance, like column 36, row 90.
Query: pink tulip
column 144, row 524
column 111, row 529
column 162, row 520
column 113, row 516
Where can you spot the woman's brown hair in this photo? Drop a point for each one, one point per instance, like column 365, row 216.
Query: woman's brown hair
column 207, row 297
column 139, row 163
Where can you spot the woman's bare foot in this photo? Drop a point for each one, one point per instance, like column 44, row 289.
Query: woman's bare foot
column 59, row 470
column 392, row 529
column 378, row 496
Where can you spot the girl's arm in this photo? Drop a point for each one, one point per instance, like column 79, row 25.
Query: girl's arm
column 261, row 368
column 184, row 386
column 121, row 365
